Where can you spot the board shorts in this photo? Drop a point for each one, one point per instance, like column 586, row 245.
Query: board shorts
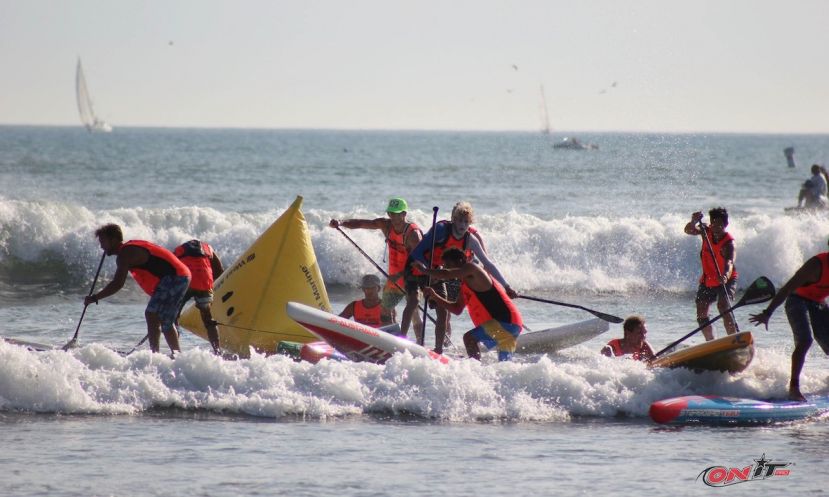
column 392, row 295
column 166, row 299
column 808, row 318
column 498, row 334
column 710, row 294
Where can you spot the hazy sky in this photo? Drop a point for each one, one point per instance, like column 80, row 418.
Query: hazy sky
column 691, row 65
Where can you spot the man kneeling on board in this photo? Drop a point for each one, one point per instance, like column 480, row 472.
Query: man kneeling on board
column 497, row 321
column 633, row 342
column 369, row 310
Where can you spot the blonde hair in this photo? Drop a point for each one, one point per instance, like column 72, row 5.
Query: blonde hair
column 463, row 208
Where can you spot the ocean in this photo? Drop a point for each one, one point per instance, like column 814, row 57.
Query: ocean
column 601, row 228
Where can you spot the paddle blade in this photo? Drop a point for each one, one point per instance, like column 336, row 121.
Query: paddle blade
column 608, row 317
column 71, row 344
column 761, row 290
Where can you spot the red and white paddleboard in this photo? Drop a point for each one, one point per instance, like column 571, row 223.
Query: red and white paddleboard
column 356, row 341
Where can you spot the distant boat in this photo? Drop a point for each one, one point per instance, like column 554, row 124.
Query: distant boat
column 88, row 118
column 574, row 144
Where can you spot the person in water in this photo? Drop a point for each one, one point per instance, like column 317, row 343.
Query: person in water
column 369, row 310
column 813, row 193
column 633, row 343
column 457, row 233
column 401, row 238
column 496, row 318
column 719, row 275
column 805, row 294
column 205, row 266
column 157, row 271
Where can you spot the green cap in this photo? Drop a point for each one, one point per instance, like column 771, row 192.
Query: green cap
column 397, row 205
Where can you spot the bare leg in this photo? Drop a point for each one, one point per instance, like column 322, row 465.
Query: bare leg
column 410, row 315
column 471, row 344
column 798, row 359
column 440, row 328
column 702, row 316
column 153, row 330
column 212, row 329
column 728, row 318
column 171, row 335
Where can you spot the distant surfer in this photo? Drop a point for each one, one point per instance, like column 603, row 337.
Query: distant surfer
column 805, row 294
column 813, row 193
column 369, row 310
column 719, row 275
column 205, row 266
column 157, row 271
column 496, row 318
column 401, row 238
column 789, row 153
column 457, row 233
column 633, row 343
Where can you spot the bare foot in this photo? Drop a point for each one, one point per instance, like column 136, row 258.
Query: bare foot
column 794, row 394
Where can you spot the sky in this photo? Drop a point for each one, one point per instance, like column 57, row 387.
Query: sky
column 605, row 65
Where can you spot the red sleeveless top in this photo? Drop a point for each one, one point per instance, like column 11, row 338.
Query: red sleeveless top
column 709, row 271
column 817, row 292
column 367, row 315
column 161, row 263
column 491, row 304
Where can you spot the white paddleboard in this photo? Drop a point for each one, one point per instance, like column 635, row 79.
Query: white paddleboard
column 358, row 342
column 561, row 337
column 34, row 346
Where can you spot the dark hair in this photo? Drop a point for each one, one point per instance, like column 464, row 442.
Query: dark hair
column 631, row 323
column 112, row 231
column 719, row 213
column 454, row 254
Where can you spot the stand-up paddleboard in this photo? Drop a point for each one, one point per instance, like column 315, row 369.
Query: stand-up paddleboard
column 732, row 353
column 561, row 337
column 711, row 410
column 249, row 297
column 356, row 341
column 37, row 347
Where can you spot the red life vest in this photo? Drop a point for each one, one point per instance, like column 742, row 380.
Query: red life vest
column 449, row 242
column 638, row 355
column 491, row 304
column 160, row 263
column 709, row 271
column 817, row 292
column 367, row 315
column 398, row 254
column 197, row 256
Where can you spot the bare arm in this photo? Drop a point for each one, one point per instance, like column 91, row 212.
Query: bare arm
column 455, row 307
column 809, row 273
column 129, row 257
column 216, row 265
column 476, row 248
column 381, row 223
column 348, row 312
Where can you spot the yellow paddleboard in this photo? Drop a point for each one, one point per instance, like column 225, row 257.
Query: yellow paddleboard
column 249, row 297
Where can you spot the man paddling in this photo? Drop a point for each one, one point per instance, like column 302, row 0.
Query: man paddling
column 157, row 271
column 496, row 318
column 719, row 275
column 457, row 233
column 805, row 294
column 633, row 342
column 205, row 266
column 401, row 237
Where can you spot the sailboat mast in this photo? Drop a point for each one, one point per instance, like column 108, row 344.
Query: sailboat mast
column 545, row 116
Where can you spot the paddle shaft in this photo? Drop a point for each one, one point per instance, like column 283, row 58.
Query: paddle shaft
column 384, row 273
column 432, row 257
column 601, row 315
column 91, row 291
column 707, row 242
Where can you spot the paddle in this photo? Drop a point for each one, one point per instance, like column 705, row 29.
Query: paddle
column 74, row 342
column 601, row 315
column 423, row 308
column 431, row 256
column 761, row 290
column 136, row 346
column 707, row 241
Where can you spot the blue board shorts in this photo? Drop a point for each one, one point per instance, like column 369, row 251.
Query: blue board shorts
column 166, row 299
column 808, row 318
column 498, row 334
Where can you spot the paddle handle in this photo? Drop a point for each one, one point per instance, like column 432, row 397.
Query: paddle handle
column 91, row 291
column 422, row 339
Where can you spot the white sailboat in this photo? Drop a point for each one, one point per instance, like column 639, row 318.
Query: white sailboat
column 87, row 113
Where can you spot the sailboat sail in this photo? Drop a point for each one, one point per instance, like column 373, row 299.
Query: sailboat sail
column 250, row 296
column 85, row 110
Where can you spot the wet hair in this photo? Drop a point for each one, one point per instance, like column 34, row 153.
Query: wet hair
column 631, row 323
column 454, row 254
column 463, row 208
column 719, row 213
column 112, row 231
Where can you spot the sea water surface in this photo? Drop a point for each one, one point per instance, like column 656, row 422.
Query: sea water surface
column 602, row 229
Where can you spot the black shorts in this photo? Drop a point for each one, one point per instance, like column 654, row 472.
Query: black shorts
column 710, row 294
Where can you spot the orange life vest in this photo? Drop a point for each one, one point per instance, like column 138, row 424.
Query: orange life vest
column 449, row 242
column 709, row 271
column 817, row 292
column 367, row 315
column 491, row 304
column 160, row 263
column 638, row 355
column 197, row 256
column 398, row 254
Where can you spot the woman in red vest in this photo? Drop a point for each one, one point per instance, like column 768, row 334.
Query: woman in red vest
column 805, row 295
